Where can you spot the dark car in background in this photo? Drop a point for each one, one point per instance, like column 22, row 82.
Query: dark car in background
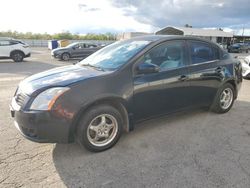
column 94, row 101
column 75, row 50
column 238, row 48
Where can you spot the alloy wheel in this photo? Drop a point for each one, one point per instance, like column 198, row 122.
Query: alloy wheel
column 102, row 130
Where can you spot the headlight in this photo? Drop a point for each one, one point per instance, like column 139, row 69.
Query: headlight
column 46, row 99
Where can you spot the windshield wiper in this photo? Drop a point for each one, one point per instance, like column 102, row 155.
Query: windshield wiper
column 95, row 67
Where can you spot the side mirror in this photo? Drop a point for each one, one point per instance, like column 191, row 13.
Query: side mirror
column 146, row 68
column 73, row 47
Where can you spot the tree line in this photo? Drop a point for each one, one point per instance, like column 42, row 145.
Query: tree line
column 57, row 36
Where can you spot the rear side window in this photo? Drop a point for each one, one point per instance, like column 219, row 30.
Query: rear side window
column 14, row 42
column 202, row 52
column 90, row 46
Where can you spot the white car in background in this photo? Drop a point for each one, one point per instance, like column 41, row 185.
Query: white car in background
column 246, row 67
column 14, row 49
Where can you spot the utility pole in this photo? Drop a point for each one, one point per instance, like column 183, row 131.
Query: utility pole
column 243, row 30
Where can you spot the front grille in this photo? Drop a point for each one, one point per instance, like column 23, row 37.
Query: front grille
column 21, row 99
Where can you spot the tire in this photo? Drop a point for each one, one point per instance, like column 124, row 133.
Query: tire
column 17, row 56
column 247, row 77
column 65, row 56
column 98, row 123
column 218, row 105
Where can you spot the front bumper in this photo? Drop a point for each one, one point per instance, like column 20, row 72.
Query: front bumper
column 41, row 126
column 57, row 56
column 28, row 55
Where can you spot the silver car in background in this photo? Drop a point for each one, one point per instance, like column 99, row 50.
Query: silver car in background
column 246, row 67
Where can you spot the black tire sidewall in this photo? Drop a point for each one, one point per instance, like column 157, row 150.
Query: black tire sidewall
column 216, row 107
column 62, row 57
column 16, row 60
column 84, row 122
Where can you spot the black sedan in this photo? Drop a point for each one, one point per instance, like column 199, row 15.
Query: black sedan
column 75, row 50
column 238, row 48
column 94, row 101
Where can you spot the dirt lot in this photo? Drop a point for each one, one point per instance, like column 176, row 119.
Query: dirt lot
column 189, row 149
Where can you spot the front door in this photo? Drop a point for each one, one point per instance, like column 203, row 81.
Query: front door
column 164, row 91
column 5, row 48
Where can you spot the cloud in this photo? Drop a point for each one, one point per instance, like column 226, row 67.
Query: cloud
column 83, row 16
column 198, row 13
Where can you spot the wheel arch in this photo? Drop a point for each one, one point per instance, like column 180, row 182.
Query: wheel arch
column 233, row 83
column 16, row 50
column 66, row 52
column 116, row 102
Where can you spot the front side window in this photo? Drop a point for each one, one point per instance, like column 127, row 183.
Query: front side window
column 4, row 43
column 202, row 52
column 170, row 55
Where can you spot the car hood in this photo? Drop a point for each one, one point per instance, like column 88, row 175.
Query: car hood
column 61, row 76
column 60, row 49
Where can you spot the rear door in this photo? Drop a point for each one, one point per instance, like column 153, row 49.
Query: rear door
column 205, row 71
column 89, row 49
column 80, row 50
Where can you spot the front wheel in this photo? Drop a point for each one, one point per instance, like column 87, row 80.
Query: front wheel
column 65, row 56
column 17, row 56
column 100, row 128
column 224, row 99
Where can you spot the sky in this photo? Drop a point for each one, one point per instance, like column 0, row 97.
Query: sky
column 101, row 16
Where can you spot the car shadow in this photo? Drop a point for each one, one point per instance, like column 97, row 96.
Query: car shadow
column 156, row 152
column 10, row 67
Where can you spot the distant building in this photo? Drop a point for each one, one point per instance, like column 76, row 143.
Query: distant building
column 129, row 35
column 214, row 35
column 241, row 38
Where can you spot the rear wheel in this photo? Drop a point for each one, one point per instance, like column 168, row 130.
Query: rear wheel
column 17, row 56
column 100, row 128
column 224, row 99
column 65, row 56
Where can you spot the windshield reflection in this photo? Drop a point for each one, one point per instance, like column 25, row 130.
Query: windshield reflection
column 115, row 55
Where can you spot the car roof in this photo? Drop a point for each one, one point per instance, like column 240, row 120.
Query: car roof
column 162, row 38
column 5, row 38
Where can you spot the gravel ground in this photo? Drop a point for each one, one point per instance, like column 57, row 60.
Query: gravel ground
column 189, row 149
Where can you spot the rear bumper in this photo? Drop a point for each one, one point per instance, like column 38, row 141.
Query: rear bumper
column 41, row 126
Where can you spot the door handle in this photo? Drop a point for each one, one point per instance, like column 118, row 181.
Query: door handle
column 183, row 77
column 218, row 69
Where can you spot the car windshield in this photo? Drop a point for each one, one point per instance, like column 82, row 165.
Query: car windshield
column 73, row 44
column 115, row 55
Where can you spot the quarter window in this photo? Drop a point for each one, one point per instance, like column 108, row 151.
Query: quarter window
column 202, row 52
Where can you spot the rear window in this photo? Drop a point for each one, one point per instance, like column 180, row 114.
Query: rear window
column 202, row 52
